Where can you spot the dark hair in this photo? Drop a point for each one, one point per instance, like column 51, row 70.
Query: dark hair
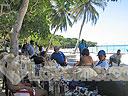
column 118, row 50
column 40, row 48
column 85, row 52
column 31, row 42
column 82, row 40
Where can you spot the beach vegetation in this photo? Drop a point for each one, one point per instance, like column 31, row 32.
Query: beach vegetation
column 34, row 19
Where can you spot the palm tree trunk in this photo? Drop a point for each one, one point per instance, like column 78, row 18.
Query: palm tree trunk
column 17, row 26
column 50, row 41
column 80, row 31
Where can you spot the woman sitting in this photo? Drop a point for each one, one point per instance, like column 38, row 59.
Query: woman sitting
column 85, row 59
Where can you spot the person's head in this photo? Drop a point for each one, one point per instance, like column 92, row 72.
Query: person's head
column 118, row 52
column 20, row 46
column 40, row 48
column 85, row 52
column 82, row 40
column 101, row 55
column 56, row 48
column 32, row 42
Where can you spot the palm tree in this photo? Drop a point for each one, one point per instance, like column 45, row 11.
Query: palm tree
column 87, row 10
column 59, row 17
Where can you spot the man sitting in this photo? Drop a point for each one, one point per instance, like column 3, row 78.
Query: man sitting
column 116, row 58
column 58, row 56
column 102, row 64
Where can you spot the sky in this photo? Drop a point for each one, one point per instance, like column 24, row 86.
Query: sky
column 111, row 27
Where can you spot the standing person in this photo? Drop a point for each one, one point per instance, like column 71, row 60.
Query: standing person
column 30, row 48
column 81, row 46
column 58, row 56
column 102, row 63
column 116, row 58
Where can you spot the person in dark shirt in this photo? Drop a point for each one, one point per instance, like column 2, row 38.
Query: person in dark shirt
column 30, row 48
column 24, row 48
column 58, row 56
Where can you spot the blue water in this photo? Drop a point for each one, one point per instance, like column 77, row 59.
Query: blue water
column 110, row 48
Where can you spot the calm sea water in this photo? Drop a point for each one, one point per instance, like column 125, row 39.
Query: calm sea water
column 110, row 48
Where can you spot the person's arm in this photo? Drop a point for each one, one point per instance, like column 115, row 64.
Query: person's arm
column 52, row 56
column 78, row 63
column 106, row 65
column 65, row 60
column 86, row 46
column 120, row 56
column 92, row 62
column 114, row 55
column 61, row 53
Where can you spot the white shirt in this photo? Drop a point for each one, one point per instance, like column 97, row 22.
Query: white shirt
column 102, row 64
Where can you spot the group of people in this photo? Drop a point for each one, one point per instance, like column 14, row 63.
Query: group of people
column 60, row 58
column 86, row 59
column 29, row 49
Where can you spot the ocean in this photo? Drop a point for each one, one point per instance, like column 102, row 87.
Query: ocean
column 109, row 48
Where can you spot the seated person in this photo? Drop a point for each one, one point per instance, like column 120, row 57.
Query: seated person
column 102, row 63
column 116, row 58
column 58, row 56
column 85, row 59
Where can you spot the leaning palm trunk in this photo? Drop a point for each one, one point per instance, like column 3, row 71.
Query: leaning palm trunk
column 80, row 31
column 50, row 41
column 17, row 26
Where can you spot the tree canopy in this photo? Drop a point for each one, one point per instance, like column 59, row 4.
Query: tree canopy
column 45, row 14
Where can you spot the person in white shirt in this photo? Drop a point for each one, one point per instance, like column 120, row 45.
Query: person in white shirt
column 116, row 58
column 102, row 63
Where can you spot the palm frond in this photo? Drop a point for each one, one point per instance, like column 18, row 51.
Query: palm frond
column 99, row 3
column 69, row 21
